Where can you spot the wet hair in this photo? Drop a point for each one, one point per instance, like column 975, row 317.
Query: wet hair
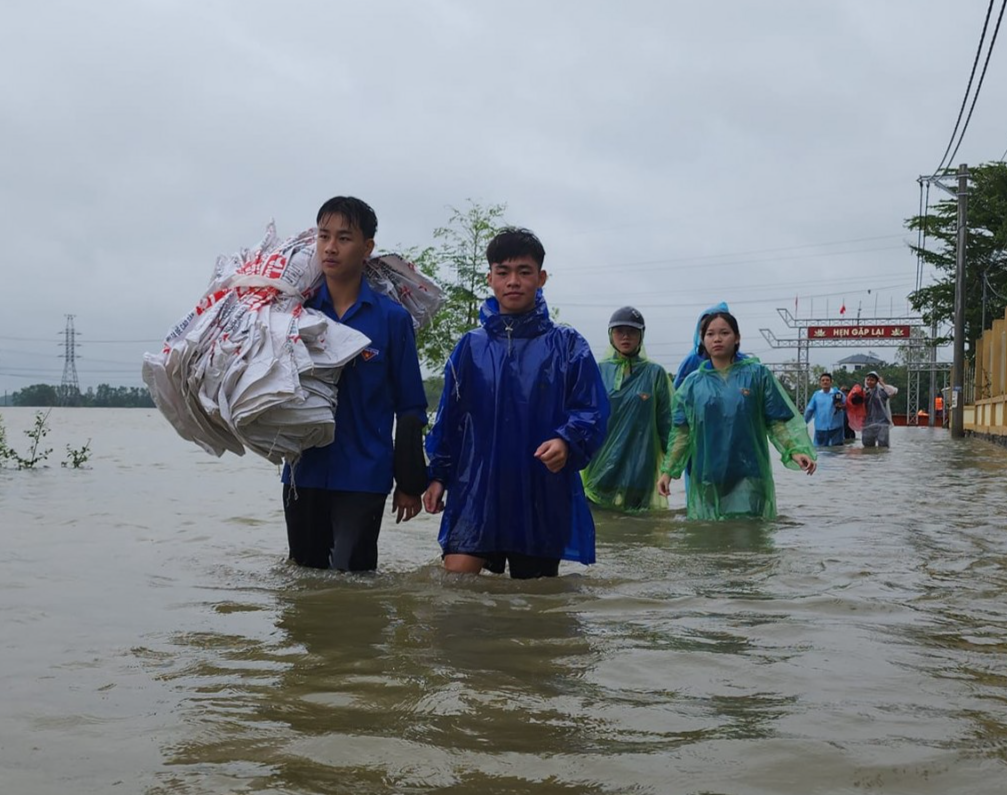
column 515, row 241
column 728, row 318
column 357, row 213
column 823, row 376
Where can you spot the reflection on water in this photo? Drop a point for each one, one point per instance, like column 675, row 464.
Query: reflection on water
column 156, row 641
column 416, row 680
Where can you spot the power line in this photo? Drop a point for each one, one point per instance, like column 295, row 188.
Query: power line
column 854, row 280
column 48, row 370
column 968, row 89
column 687, row 262
column 982, row 75
column 680, row 305
column 751, row 252
column 989, row 286
column 89, row 342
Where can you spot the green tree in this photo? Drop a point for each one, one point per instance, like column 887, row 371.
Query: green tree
column 437, row 338
column 104, row 396
column 36, row 395
column 433, row 387
column 986, row 254
column 458, row 264
column 920, row 341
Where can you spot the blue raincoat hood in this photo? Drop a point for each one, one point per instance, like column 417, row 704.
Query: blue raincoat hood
column 693, row 358
column 697, row 338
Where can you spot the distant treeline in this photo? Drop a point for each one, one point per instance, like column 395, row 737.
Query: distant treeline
column 130, row 397
column 104, row 396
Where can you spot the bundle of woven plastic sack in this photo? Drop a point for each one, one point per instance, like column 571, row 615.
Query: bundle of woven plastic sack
column 251, row 367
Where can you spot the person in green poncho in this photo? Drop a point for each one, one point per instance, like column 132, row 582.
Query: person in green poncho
column 622, row 474
column 722, row 416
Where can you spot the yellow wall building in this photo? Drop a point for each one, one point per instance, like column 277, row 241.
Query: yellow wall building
column 986, row 412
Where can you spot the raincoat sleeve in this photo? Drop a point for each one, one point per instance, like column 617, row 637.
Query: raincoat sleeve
column 679, row 444
column 786, row 429
column 678, row 452
column 587, row 407
column 443, row 437
column 663, row 395
column 809, row 412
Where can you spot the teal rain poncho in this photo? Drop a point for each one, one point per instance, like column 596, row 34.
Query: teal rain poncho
column 722, row 420
column 623, row 474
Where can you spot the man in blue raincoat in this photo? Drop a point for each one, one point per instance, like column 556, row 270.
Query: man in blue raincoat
column 827, row 405
column 523, row 410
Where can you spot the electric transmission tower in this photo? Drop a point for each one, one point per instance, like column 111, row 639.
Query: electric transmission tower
column 69, row 389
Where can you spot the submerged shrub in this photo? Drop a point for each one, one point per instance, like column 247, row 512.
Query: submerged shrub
column 35, row 434
column 37, row 453
column 76, row 458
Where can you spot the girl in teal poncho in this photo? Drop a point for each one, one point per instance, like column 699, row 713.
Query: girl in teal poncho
column 722, row 416
column 623, row 473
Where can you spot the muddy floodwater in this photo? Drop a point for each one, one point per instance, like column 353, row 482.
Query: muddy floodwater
column 155, row 640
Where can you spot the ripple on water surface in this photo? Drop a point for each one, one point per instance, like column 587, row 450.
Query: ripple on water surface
column 158, row 642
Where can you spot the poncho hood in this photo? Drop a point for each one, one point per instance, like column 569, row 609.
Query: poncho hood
column 697, row 338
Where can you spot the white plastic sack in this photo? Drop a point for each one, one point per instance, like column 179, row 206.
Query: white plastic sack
column 251, row 368
column 399, row 279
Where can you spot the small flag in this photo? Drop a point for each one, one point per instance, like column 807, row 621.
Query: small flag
column 842, row 309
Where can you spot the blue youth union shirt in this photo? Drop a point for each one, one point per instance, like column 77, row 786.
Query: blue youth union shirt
column 381, row 383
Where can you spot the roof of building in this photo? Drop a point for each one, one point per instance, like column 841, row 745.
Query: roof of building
column 862, row 358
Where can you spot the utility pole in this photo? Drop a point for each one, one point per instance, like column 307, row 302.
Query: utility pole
column 958, row 362
column 933, row 374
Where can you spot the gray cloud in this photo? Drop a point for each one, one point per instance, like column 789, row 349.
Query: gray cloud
column 144, row 138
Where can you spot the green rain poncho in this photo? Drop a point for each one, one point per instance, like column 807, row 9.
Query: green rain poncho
column 722, row 419
column 623, row 474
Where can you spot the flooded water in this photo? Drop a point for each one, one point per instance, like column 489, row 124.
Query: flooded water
column 155, row 640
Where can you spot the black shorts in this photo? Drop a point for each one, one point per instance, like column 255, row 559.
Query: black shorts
column 333, row 529
column 522, row 567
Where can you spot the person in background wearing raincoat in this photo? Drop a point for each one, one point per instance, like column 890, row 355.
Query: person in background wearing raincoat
column 334, row 499
column 623, row 474
column 722, row 415
column 696, row 356
column 849, row 434
column 878, row 420
column 522, row 412
column 827, row 407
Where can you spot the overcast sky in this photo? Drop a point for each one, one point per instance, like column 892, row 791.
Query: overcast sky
column 669, row 154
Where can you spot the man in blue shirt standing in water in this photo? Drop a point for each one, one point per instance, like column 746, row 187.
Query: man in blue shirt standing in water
column 828, row 407
column 334, row 502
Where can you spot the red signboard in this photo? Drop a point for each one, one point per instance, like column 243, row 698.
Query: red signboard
column 859, row 332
